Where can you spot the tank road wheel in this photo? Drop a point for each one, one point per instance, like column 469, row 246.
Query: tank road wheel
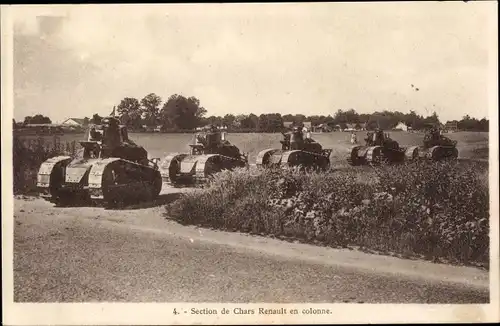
column 156, row 184
column 454, row 153
column 212, row 166
column 436, row 154
column 411, row 154
column 376, row 157
column 173, row 169
column 264, row 156
column 58, row 197
column 324, row 164
column 352, row 158
column 109, row 187
column 291, row 160
column 387, row 158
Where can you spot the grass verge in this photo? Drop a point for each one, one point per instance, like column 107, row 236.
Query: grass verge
column 435, row 211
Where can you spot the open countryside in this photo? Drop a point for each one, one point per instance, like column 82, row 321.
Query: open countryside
column 470, row 144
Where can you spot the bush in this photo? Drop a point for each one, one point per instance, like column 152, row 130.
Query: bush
column 249, row 210
column 431, row 210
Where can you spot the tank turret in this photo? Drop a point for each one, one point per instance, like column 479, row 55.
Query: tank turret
column 110, row 139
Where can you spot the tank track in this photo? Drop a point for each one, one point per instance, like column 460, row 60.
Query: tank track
column 45, row 179
column 166, row 165
column 96, row 185
column 352, row 157
column 286, row 159
column 201, row 175
column 438, row 153
column 265, row 155
column 410, row 153
column 102, row 189
column 371, row 158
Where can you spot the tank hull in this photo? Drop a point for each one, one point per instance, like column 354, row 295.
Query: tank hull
column 112, row 181
column 181, row 169
column 278, row 158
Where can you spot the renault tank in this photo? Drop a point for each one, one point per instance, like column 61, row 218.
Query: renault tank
column 109, row 167
column 379, row 148
column 296, row 151
column 209, row 154
column 435, row 147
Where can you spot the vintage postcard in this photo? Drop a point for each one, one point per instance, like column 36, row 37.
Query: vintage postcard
column 271, row 163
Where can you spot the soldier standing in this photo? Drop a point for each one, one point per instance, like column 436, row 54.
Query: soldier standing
column 296, row 138
column 354, row 138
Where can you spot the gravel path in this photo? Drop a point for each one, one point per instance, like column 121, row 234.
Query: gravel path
column 136, row 255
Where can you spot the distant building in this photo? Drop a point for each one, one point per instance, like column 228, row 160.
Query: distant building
column 288, row 124
column 77, row 122
column 401, row 126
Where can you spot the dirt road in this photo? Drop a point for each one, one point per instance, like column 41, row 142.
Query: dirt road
column 136, row 255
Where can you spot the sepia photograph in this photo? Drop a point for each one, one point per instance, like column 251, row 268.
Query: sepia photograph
column 250, row 163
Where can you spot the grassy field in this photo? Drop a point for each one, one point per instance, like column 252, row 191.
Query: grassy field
column 470, row 144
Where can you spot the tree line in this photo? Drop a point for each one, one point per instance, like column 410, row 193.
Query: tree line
column 180, row 113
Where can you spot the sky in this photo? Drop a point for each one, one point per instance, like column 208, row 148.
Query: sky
column 313, row 58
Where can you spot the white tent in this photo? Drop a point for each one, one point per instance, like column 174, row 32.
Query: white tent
column 401, row 126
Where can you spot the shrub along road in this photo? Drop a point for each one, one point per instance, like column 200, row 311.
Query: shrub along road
column 93, row 254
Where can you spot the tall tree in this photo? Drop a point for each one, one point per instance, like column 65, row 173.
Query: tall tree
column 238, row 119
column 37, row 119
column 432, row 119
column 182, row 113
column 380, row 120
column 130, row 113
column 150, row 108
column 228, row 120
column 484, row 125
column 212, row 120
column 250, row 123
column 271, row 122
